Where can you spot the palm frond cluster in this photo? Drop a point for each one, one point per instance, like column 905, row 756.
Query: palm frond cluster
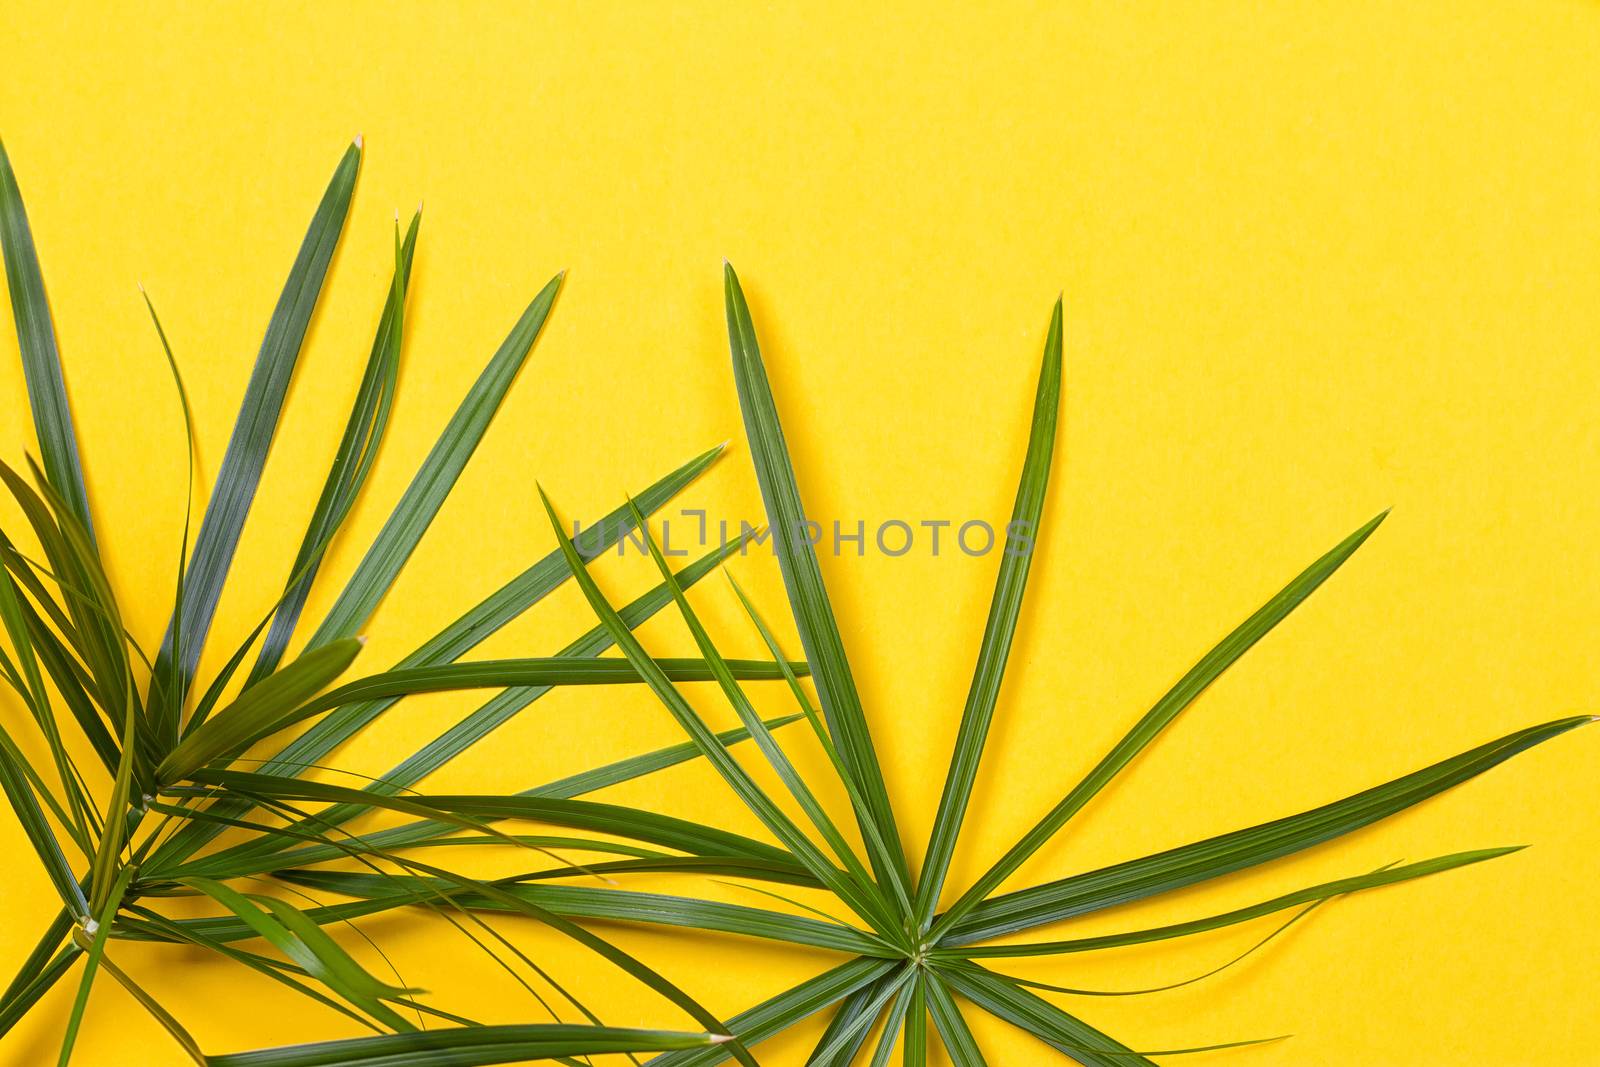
column 167, row 767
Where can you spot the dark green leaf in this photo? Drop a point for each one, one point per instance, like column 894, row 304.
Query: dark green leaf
column 265, row 708
column 488, row 616
column 1042, row 1019
column 778, row 1013
column 435, row 478
column 358, row 448
column 808, row 597
column 468, row 1047
column 1358, row 883
column 618, row 905
column 242, row 463
column 861, row 899
column 953, row 1029
column 36, row 338
column 1217, row 856
column 1157, row 719
column 1021, row 537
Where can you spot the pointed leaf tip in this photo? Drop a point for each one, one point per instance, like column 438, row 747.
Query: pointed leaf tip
column 357, row 141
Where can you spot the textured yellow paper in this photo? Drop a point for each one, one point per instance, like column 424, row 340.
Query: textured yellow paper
column 1319, row 259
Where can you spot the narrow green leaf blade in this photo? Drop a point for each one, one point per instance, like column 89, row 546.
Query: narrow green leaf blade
column 95, row 934
column 320, row 957
column 953, row 1029
column 477, row 1046
column 36, row 338
column 776, row 758
column 358, row 448
column 617, row 905
column 808, row 597
column 776, row 1014
column 266, row 707
column 471, row 810
column 19, row 1001
column 1004, row 607
column 435, row 478
column 1158, row 718
column 1216, row 856
column 499, row 710
column 1043, row 1020
column 916, row 1026
column 254, row 857
column 37, row 829
column 1310, row 894
column 852, row 1023
column 246, row 455
column 893, row 1020
column 478, row 623
column 657, row 675
column 42, row 953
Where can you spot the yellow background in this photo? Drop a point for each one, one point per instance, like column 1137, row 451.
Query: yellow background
column 1319, row 258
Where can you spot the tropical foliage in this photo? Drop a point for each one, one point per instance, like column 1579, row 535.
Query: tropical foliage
column 157, row 795
column 146, row 764
column 914, row 950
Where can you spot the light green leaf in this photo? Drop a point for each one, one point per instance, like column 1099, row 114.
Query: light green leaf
column 265, row 708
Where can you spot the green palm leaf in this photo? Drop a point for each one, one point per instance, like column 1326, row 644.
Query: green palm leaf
column 358, row 449
column 436, row 477
column 474, row 1047
column 113, row 853
column 1023, row 531
column 932, row 972
column 1158, row 718
column 1226, row 853
column 36, row 338
column 246, row 454
column 808, row 597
